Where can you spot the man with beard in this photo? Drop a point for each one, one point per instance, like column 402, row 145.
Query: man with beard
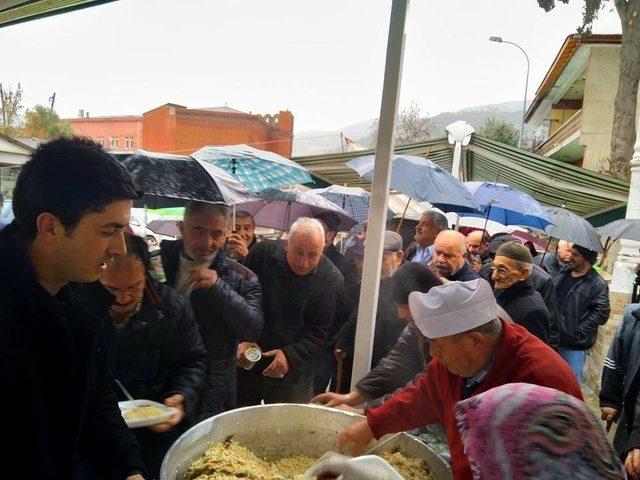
column 71, row 202
column 388, row 325
column 430, row 225
column 225, row 296
column 450, row 257
column 478, row 244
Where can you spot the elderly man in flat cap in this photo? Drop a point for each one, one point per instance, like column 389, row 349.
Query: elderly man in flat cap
column 473, row 352
column 515, row 292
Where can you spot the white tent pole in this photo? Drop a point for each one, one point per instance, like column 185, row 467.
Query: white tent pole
column 379, row 193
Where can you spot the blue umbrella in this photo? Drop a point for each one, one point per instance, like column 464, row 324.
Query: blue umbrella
column 254, row 168
column 422, row 180
column 509, row 206
column 280, row 208
column 353, row 200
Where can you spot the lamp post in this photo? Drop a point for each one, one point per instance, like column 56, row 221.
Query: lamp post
column 526, row 83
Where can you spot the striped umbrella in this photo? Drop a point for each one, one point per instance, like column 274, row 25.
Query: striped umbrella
column 254, row 168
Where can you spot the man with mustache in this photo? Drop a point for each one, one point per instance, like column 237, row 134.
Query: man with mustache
column 299, row 286
column 225, row 296
column 450, row 257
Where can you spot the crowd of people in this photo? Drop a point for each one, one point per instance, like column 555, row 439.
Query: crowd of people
column 87, row 318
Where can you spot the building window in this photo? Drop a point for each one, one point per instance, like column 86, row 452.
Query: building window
column 114, row 143
column 100, row 140
column 128, row 143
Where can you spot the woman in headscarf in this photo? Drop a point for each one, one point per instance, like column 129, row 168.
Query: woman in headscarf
column 520, row 431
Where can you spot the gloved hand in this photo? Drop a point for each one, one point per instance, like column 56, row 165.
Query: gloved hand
column 368, row 467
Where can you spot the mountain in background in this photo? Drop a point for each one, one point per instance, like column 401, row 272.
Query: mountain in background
column 316, row 142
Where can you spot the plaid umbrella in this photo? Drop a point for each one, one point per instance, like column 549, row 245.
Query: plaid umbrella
column 353, row 200
column 256, row 169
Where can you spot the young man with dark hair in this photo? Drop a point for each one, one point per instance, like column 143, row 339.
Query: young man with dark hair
column 71, row 203
column 226, row 297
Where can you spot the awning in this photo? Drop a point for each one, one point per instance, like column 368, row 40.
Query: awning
column 18, row 11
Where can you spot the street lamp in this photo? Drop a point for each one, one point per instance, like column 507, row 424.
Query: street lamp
column 526, row 83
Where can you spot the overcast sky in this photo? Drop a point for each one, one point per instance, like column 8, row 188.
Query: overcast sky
column 324, row 61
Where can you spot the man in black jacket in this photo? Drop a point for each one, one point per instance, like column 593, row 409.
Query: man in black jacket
column 583, row 305
column 514, row 290
column 225, row 296
column 619, row 393
column 61, row 417
column 299, row 287
column 553, row 263
column 157, row 351
column 450, row 257
column 243, row 238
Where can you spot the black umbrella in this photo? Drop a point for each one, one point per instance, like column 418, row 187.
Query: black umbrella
column 572, row 228
column 179, row 178
column 625, row 228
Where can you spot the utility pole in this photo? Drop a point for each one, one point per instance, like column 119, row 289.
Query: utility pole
column 4, row 118
column 52, row 99
column 342, row 142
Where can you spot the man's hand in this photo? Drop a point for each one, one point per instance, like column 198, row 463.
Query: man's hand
column 632, row 463
column 609, row 415
column 235, row 244
column 243, row 347
column 202, row 278
column 331, row 399
column 355, row 439
column 279, row 367
column 175, row 401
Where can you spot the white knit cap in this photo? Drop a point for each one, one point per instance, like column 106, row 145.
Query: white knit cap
column 453, row 308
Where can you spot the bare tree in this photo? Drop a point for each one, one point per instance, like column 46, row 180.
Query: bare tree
column 411, row 126
column 11, row 106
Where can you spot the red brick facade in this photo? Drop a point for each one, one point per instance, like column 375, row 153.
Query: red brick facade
column 176, row 129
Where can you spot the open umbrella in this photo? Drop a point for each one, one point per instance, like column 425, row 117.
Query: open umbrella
column 422, row 180
column 507, row 205
column 569, row 226
column 165, row 226
column 280, row 208
column 625, row 228
column 353, row 200
column 181, row 178
column 254, row 168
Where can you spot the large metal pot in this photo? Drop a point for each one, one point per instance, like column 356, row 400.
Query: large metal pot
column 279, row 430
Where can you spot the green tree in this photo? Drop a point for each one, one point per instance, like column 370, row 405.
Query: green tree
column 43, row 122
column 11, row 110
column 624, row 116
column 411, row 126
column 500, row 131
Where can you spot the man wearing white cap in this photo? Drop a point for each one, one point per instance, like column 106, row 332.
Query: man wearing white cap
column 473, row 351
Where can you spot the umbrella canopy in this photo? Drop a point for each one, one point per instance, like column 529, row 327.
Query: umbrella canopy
column 254, row 168
column 509, row 206
column 625, row 228
column 569, row 226
column 422, row 180
column 279, row 209
column 353, row 200
column 165, row 226
column 184, row 178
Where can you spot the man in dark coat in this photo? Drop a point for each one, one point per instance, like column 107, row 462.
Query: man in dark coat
column 478, row 244
column 619, row 393
column 450, row 257
column 225, row 296
column 553, row 263
column 299, row 287
column 583, row 305
column 156, row 348
column 514, row 289
column 61, row 416
column 326, row 363
column 243, row 238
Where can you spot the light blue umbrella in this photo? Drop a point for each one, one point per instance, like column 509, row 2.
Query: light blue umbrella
column 422, row 180
column 280, row 208
column 254, row 168
column 507, row 205
column 353, row 200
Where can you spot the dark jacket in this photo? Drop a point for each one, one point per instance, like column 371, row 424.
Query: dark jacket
column 585, row 308
column 407, row 359
column 58, row 401
column 345, row 295
column 526, row 307
column 621, row 380
column 551, row 264
column 465, row 274
column 298, row 310
column 158, row 354
column 388, row 326
column 228, row 312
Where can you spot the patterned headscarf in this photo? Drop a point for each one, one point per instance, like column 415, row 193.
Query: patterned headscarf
column 520, row 431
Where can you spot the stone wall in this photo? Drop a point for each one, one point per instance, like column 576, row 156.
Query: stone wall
column 595, row 361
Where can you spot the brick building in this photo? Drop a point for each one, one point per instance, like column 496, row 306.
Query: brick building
column 177, row 129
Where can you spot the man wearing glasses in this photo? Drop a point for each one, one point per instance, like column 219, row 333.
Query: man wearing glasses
column 225, row 296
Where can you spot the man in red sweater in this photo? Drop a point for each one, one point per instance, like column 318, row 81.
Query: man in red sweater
column 473, row 351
